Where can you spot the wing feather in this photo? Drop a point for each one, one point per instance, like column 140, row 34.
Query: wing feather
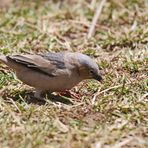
column 46, row 64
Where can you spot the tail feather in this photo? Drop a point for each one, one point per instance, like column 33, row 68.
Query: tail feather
column 3, row 59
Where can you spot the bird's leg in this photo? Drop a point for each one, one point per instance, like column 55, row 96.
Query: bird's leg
column 38, row 95
column 42, row 95
column 70, row 94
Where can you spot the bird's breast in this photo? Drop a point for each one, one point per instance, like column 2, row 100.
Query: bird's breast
column 61, row 81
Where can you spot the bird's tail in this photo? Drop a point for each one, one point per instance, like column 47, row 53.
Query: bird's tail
column 3, row 59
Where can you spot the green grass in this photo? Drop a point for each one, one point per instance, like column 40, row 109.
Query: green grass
column 111, row 114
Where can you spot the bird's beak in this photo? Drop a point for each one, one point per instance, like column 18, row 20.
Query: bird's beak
column 98, row 78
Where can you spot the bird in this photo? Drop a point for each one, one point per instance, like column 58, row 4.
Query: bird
column 52, row 72
column 5, row 3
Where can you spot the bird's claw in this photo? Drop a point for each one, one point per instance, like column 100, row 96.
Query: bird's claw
column 69, row 93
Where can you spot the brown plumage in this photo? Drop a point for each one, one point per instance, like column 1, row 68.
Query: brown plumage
column 53, row 71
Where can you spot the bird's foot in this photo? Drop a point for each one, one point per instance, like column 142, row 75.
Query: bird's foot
column 69, row 93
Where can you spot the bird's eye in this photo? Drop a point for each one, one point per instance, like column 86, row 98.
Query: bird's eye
column 91, row 72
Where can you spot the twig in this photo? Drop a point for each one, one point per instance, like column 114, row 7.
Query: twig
column 143, row 97
column 87, row 24
column 95, row 18
column 12, row 101
column 123, row 143
column 106, row 90
column 103, row 91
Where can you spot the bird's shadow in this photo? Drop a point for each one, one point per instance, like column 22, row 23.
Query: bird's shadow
column 29, row 98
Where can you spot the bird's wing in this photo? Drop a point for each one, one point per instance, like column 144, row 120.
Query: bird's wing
column 56, row 59
column 46, row 64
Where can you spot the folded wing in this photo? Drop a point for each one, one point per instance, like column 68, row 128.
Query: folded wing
column 45, row 64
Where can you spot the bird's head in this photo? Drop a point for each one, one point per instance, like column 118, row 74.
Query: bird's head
column 88, row 69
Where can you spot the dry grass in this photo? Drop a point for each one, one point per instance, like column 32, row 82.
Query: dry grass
column 111, row 114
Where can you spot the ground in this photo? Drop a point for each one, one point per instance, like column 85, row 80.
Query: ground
column 113, row 113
